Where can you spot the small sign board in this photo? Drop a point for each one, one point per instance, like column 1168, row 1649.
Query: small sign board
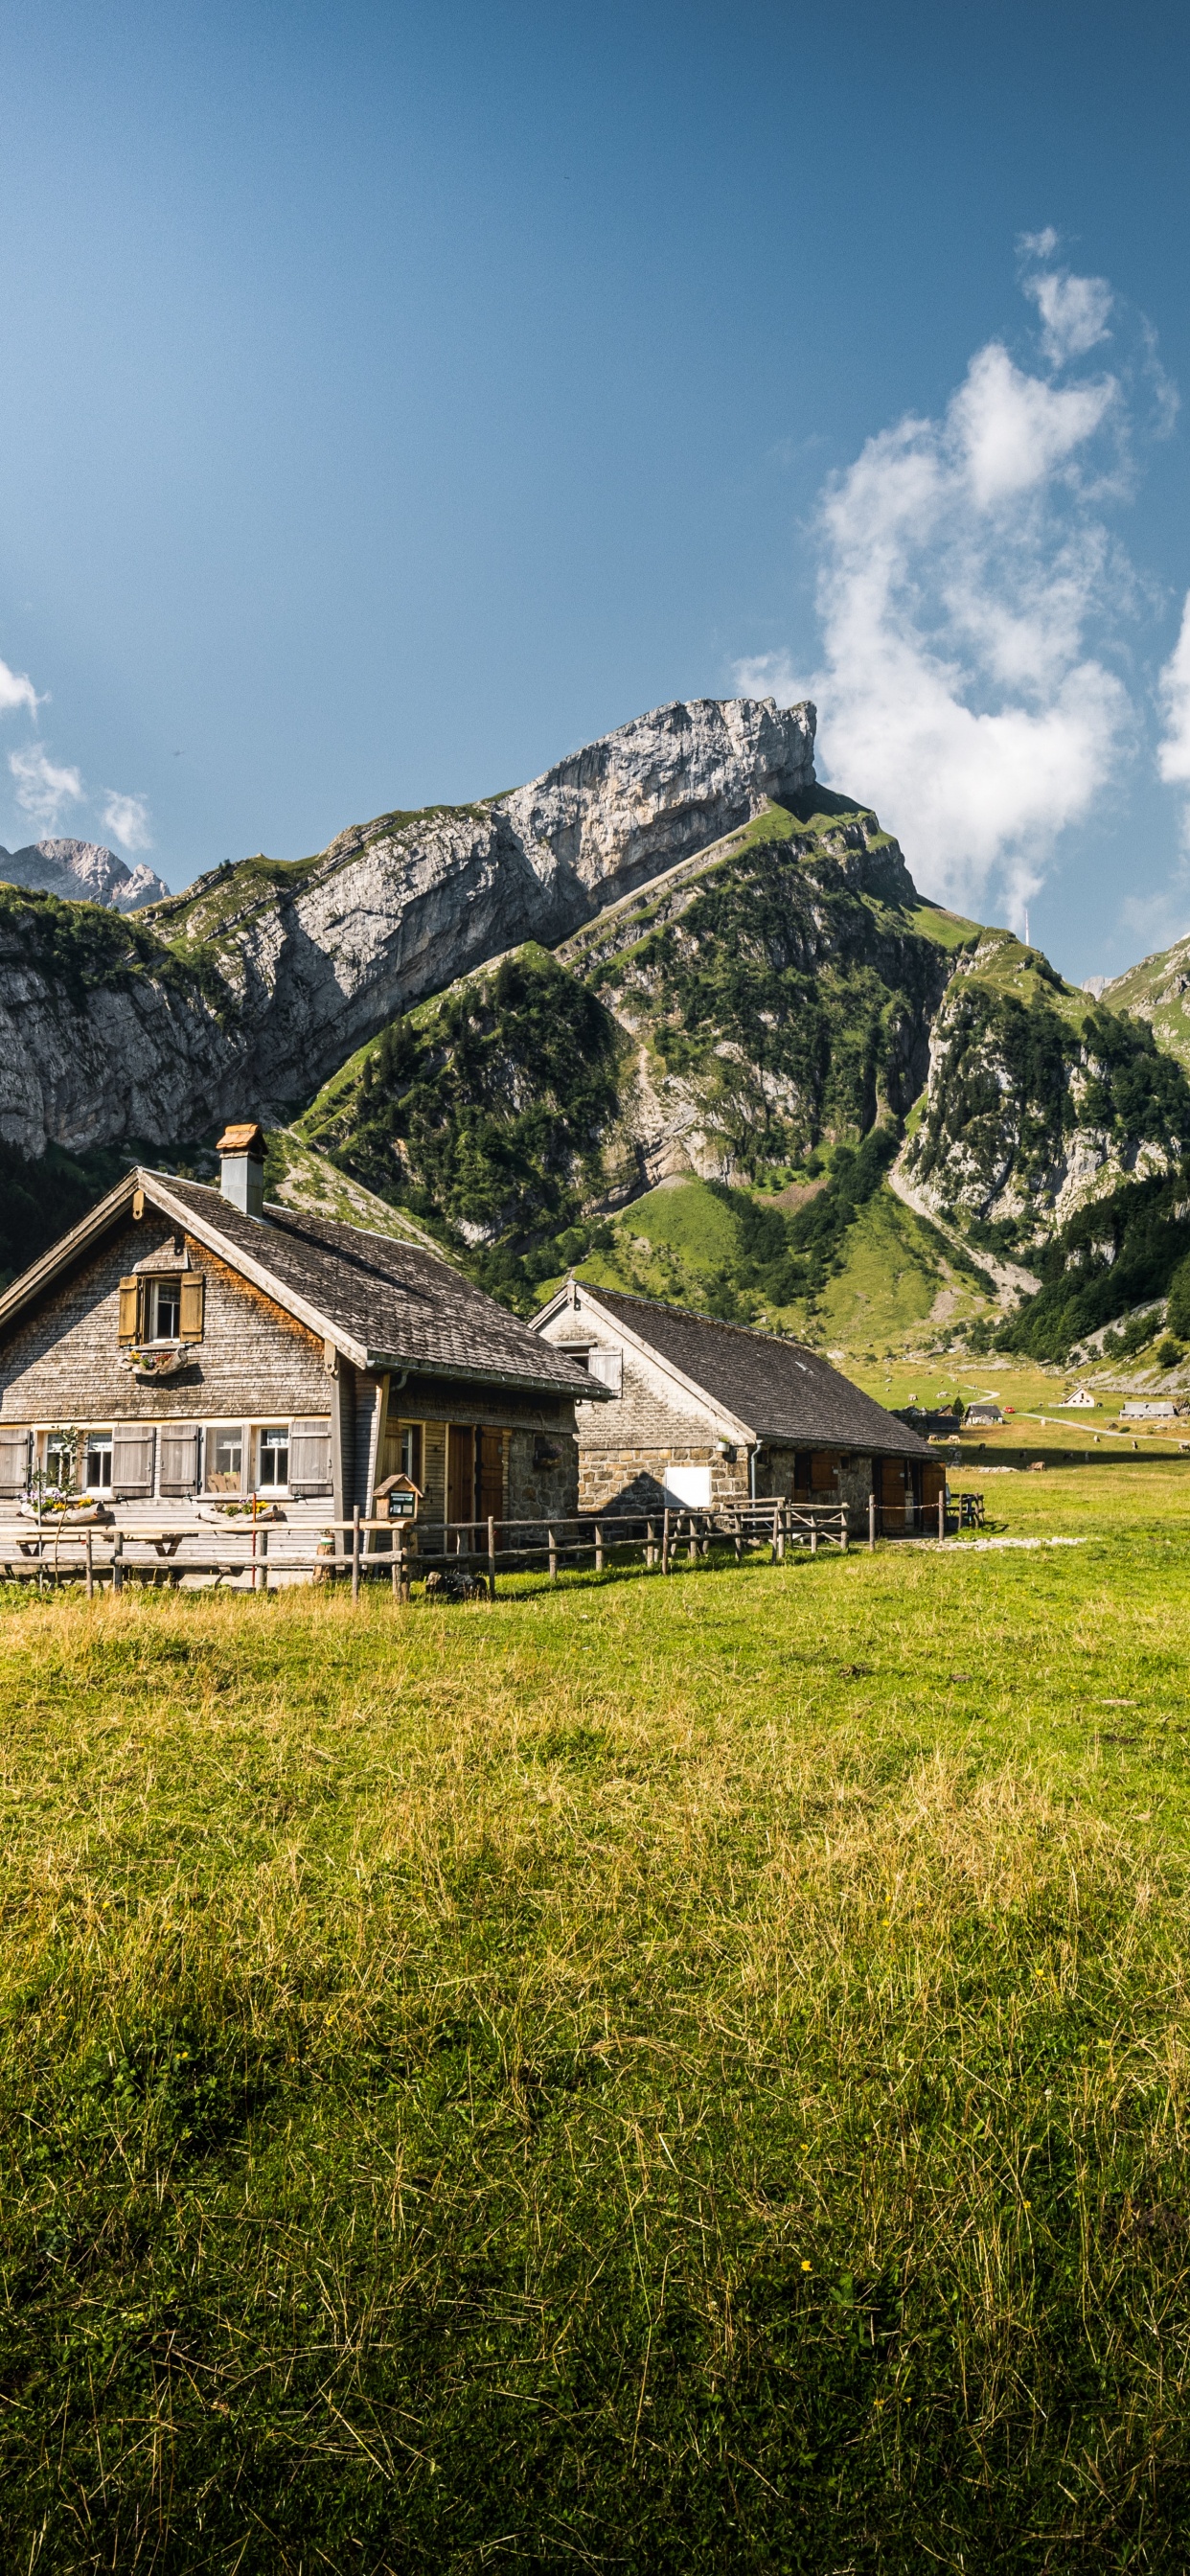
column 398, row 1498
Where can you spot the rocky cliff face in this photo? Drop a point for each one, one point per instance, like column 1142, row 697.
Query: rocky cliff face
column 82, row 872
column 292, row 966
column 1038, row 1100
column 772, row 994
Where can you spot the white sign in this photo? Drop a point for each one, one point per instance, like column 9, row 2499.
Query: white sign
column 688, row 1489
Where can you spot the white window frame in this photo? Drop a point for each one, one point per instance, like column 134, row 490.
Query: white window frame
column 212, row 1434
column 55, row 1443
column 271, row 1429
column 156, row 1287
column 103, row 1440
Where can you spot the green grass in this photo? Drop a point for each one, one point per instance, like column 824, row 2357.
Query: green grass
column 653, row 2076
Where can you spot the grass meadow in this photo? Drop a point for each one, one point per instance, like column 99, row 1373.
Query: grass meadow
column 655, row 2075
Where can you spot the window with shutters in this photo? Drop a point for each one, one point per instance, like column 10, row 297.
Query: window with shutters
column 310, row 1456
column 224, row 1449
column 179, row 1458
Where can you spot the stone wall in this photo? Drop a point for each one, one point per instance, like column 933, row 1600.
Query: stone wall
column 633, row 1479
column 542, row 1477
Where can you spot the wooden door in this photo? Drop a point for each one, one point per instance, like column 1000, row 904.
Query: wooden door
column 933, row 1484
column 892, row 1494
column 460, row 1472
column 491, row 1475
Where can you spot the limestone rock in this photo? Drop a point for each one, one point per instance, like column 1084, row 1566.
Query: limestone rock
column 82, row 872
column 314, row 958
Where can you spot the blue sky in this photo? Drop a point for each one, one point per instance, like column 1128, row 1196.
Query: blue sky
column 397, row 399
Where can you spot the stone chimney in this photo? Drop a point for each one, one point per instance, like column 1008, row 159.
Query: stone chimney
column 241, row 1173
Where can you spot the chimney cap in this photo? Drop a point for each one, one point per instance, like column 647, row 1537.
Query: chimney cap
column 247, row 1139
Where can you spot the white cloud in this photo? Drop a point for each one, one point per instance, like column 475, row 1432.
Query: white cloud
column 43, row 789
column 127, row 819
column 965, row 573
column 771, row 675
column 1173, row 751
column 1074, row 313
column 16, row 690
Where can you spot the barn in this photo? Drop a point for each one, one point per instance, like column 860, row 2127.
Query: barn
column 707, row 1414
column 188, row 1354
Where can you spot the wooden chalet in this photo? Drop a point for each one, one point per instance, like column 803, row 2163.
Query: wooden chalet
column 704, row 1415
column 189, row 1353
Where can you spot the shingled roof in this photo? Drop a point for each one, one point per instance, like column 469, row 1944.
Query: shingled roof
column 384, row 1302
column 777, row 1388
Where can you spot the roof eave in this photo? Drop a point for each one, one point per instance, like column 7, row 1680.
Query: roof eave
column 580, row 1386
column 42, row 1272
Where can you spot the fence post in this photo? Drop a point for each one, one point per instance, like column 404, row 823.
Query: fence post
column 398, row 1564
column 553, row 1554
column 260, row 1578
column 942, row 1513
column 846, row 1528
column 118, row 1561
column 650, row 1542
column 599, row 1547
column 90, row 1571
column 813, row 1534
column 355, row 1553
column 665, row 1542
column 693, row 1548
column 491, row 1556
column 872, row 1523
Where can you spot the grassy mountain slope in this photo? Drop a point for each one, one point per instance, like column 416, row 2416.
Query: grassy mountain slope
column 754, row 1010
column 1158, row 991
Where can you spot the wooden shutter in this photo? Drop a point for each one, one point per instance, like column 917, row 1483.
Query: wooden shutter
column 129, row 1309
column 132, row 1460
column 14, row 1462
column 310, row 1456
column 179, row 1458
column 608, row 1368
column 933, row 1483
column 190, row 1313
column 824, row 1468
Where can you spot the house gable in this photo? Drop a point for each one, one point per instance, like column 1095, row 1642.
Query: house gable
column 64, row 1361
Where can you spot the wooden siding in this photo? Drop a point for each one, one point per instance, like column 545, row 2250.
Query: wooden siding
column 64, row 1364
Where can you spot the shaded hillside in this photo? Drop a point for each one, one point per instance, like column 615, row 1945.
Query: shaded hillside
column 1038, row 1101
column 1113, row 1255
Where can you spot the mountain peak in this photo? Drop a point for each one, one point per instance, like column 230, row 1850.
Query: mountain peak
column 82, row 872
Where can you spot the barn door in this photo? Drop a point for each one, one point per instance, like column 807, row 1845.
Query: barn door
column 491, row 1475
column 460, row 1472
column 892, row 1494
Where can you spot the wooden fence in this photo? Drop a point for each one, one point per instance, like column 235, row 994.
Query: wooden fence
column 449, row 1556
